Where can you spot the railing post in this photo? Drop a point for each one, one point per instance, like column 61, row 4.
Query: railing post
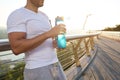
column 97, row 36
column 86, row 46
column 92, row 43
column 75, row 48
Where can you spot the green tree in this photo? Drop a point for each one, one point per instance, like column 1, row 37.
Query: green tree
column 116, row 28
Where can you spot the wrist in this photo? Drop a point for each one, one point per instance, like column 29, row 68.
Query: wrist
column 47, row 34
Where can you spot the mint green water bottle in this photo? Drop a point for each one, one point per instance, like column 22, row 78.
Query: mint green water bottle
column 61, row 39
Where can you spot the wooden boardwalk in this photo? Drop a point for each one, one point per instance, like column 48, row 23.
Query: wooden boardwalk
column 106, row 65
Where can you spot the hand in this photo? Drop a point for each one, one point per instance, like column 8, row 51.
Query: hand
column 57, row 30
column 54, row 43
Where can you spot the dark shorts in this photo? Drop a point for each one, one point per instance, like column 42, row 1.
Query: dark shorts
column 50, row 72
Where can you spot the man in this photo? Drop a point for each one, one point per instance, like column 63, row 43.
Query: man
column 30, row 32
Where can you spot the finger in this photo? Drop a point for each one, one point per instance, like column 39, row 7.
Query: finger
column 62, row 25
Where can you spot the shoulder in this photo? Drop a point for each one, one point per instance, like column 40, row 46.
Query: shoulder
column 16, row 14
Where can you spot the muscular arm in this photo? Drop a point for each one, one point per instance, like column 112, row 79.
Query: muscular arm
column 20, row 44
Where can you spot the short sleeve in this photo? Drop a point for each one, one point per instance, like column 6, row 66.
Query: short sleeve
column 15, row 23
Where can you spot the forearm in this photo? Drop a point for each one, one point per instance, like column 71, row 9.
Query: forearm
column 24, row 45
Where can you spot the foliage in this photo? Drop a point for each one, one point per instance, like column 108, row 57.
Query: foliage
column 117, row 28
column 15, row 73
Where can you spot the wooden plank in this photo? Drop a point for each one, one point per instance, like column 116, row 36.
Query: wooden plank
column 106, row 65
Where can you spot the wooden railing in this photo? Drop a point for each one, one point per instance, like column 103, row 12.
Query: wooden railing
column 77, row 47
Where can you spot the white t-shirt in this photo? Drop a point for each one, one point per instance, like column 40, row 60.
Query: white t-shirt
column 24, row 20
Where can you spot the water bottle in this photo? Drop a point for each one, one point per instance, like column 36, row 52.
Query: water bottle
column 61, row 39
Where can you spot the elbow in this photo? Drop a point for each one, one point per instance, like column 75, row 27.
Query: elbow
column 16, row 51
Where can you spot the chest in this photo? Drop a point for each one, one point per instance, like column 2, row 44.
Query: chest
column 37, row 24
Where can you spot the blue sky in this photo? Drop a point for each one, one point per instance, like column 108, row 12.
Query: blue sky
column 105, row 13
